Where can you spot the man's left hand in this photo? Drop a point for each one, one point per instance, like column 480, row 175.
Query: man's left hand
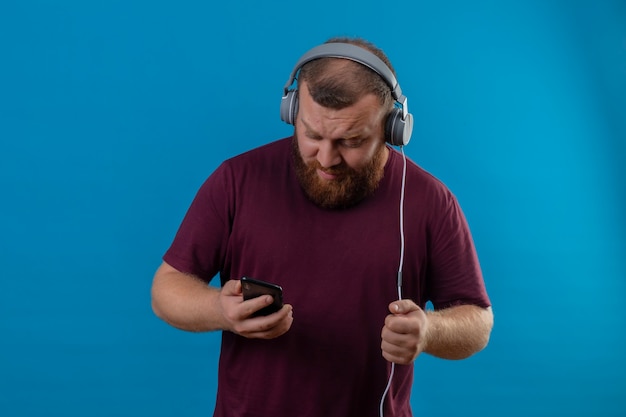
column 404, row 333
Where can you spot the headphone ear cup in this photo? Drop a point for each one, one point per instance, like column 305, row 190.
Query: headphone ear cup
column 398, row 130
column 289, row 107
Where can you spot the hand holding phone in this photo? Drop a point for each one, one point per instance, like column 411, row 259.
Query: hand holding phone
column 253, row 288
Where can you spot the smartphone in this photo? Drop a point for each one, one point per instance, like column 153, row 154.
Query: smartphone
column 253, row 288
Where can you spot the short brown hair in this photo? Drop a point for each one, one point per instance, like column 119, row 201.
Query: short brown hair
column 338, row 83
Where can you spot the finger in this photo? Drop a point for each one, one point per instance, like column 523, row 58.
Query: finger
column 268, row 327
column 391, row 349
column 402, row 324
column 403, row 307
column 396, row 354
column 232, row 287
column 253, row 305
column 399, row 348
column 401, row 340
column 398, row 359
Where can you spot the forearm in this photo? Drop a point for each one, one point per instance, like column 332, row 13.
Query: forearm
column 458, row 332
column 185, row 301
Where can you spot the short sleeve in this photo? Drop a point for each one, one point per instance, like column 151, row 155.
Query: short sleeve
column 201, row 240
column 454, row 273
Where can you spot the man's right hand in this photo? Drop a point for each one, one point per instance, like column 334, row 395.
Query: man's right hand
column 188, row 303
column 237, row 314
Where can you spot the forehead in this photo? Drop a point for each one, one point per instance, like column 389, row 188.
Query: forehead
column 362, row 117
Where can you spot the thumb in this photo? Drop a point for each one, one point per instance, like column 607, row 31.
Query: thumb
column 232, row 287
column 402, row 307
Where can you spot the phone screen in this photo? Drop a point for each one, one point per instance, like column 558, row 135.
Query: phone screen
column 253, row 288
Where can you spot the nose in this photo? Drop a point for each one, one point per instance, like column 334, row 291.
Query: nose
column 327, row 154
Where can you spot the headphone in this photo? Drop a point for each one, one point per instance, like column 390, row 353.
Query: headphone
column 399, row 123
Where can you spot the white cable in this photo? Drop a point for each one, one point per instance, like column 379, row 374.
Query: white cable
column 402, row 221
column 399, row 281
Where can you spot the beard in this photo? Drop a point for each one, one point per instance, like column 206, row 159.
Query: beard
column 350, row 186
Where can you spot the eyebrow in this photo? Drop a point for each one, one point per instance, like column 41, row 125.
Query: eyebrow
column 310, row 132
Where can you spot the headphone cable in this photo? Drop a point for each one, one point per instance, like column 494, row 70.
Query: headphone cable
column 399, row 280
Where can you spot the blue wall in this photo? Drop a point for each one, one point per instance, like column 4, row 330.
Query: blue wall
column 112, row 113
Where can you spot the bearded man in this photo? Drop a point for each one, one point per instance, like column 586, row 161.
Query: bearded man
column 359, row 238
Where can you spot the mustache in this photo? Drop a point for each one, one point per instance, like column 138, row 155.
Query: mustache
column 341, row 169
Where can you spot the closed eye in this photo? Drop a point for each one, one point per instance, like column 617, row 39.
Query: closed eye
column 352, row 143
column 312, row 135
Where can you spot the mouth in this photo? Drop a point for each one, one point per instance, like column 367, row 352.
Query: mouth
column 326, row 175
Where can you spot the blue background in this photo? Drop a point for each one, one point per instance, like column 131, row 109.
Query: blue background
column 112, row 113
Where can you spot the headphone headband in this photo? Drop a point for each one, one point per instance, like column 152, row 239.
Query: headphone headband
column 353, row 53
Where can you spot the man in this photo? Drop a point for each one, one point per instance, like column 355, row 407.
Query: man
column 324, row 214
